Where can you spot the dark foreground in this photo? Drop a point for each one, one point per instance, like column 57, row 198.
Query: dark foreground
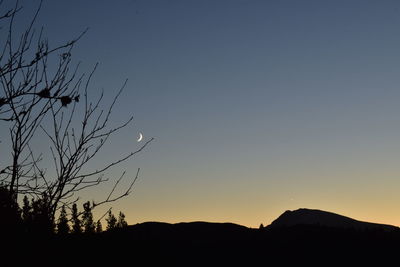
column 207, row 244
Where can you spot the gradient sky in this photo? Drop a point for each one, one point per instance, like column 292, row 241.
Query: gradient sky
column 257, row 107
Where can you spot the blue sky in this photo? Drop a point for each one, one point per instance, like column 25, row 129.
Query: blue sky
column 256, row 106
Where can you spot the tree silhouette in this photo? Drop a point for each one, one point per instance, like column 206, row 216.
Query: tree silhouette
column 99, row 227
column 42, row 90
column 26, row 211
column 41, row 219
column 111, row 221
column 121, row 223
column 62, row 225
column 76, row 222
column 87, row 218
column 10, row 217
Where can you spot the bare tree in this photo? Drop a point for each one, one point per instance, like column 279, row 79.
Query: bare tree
column 27, row 91
column 42, row 97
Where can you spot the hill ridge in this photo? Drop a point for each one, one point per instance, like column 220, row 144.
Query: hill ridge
column 305, row 216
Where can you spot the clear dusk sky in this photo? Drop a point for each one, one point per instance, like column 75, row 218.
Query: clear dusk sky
column 256, row 107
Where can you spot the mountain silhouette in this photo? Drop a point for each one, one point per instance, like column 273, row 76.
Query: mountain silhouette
column 295, row 238
column 324, row 218
column 184, row 229
column 298, row 238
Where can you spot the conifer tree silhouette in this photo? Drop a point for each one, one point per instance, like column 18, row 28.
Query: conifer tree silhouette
column 42, row 221
column 111, row 221
column 87, row 218
column 76, row 222
column 121, row 223
column 9, row 211
column 99, row 227
column 27, row 212
column 62, row 225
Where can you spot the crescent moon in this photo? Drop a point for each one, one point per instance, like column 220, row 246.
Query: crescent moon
column 140, row 137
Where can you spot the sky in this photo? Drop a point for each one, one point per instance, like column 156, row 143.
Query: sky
column 256, row 107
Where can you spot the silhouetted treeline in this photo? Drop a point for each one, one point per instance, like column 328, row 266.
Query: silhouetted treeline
column 33, row 217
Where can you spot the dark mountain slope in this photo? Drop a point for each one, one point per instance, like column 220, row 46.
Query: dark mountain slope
column 324, row 218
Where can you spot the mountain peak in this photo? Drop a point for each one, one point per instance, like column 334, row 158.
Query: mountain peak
column 305, row 216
